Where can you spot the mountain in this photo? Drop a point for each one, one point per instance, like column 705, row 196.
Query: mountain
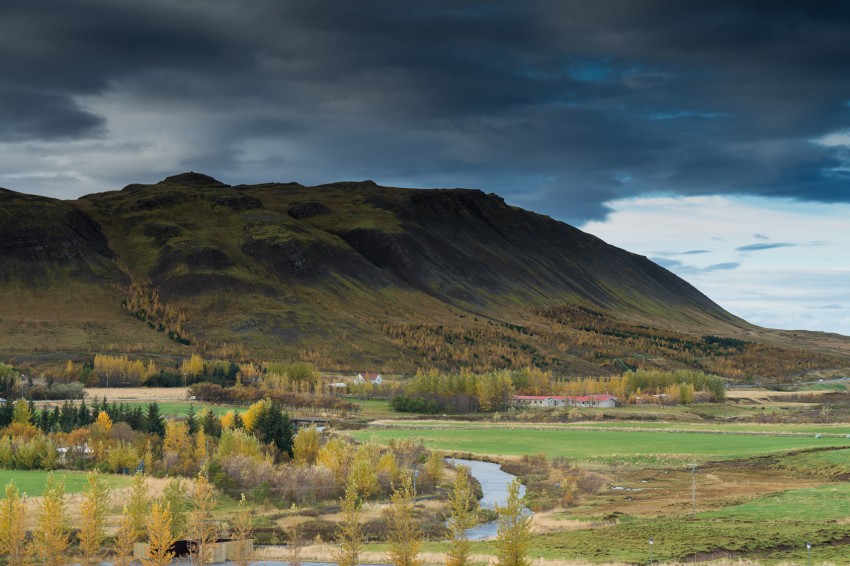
column 350, row 275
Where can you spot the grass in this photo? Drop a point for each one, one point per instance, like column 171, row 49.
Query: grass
column 179, row 409
column 824, row 503
column 603, row 446
column 32, row 482
column 375, row 409
column 680, row 539
column 757, row 428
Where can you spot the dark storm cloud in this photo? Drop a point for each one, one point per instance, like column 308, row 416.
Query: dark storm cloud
column 561, row 106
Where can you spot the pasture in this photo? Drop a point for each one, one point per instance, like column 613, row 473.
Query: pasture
column 179, row 409
column 587, row 447
column 32, row 482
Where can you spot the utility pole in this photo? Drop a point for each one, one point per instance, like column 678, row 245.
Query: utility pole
column 694, row 490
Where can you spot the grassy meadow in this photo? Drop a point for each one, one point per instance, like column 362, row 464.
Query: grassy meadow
column 32, row 482
column 604, row 446
column 762, row 489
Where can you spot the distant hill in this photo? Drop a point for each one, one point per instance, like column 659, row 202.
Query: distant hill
column 353, row 275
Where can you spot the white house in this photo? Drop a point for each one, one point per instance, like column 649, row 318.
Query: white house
column 604, row 400
column 374, row 378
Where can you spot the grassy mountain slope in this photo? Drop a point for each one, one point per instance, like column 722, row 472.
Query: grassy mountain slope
column 345, row 275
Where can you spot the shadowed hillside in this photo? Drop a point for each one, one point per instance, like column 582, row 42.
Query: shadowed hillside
column 345, row 275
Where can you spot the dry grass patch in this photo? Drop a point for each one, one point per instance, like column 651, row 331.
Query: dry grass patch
column 138, row 393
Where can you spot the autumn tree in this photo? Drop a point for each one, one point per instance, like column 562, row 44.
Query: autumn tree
column 179, row 504
column 138, row 506
column 22, row 412
column 305, row 446
column 434, row 468
column 335, row 456
column 93, row 510
column 404, row 535
column 514, row 530
column 295, row 540
column 362, row 473
column 351, row 530
column 50, row 539
column 463, row 517
column 13, row 526
column 241, row 529
column 159, row 536
column 177, row 449
column 125, row 537
column 201, row 453
column 192, row 367
column 102, row 425
column 203, row 530
column 387, row 468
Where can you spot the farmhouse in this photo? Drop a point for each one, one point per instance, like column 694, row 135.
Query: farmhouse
column 603, row 400
column 373, row 378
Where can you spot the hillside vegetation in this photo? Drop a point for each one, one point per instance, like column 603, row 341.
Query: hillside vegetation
column 353, row 275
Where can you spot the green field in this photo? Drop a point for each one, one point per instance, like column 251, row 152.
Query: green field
column 757, row 428
column 32, row 482
column 375, row 409
column 598, row 446
column 180, row 408
column 824, row 503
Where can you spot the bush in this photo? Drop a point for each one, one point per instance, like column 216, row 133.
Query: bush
column 213, row 393
column 56, row 391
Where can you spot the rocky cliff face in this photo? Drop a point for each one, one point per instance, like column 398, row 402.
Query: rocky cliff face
column 42, row 239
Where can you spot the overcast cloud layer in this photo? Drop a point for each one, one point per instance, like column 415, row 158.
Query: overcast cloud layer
column 561, row 106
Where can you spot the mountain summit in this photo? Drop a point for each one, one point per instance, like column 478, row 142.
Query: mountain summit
column 347, row 274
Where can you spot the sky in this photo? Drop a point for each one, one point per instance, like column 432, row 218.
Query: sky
column 711, row 136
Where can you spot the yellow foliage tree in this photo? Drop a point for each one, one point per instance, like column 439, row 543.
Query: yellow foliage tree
column 201, row 454
column 192, row 367
column 242, row 528
column 404, row 537
column 50, row 539
column 334, row 456
column 351, row 531
column 159, row 535
column 434, row 468
column 137, row 507
column 93, row 510
column 388, row 467
column 362, row 473
column 102, row 425
column 13, row 526
column 21, row 413
column 177, row 447
column 125, row 537
column 305, row 446
column 463, row 517
column 227, row 420
column 249, row 417
column 514, row 530
column 203, row 530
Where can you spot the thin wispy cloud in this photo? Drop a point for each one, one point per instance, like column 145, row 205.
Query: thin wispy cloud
column 761, row 247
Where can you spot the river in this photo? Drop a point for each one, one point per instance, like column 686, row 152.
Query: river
column 494, row 485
